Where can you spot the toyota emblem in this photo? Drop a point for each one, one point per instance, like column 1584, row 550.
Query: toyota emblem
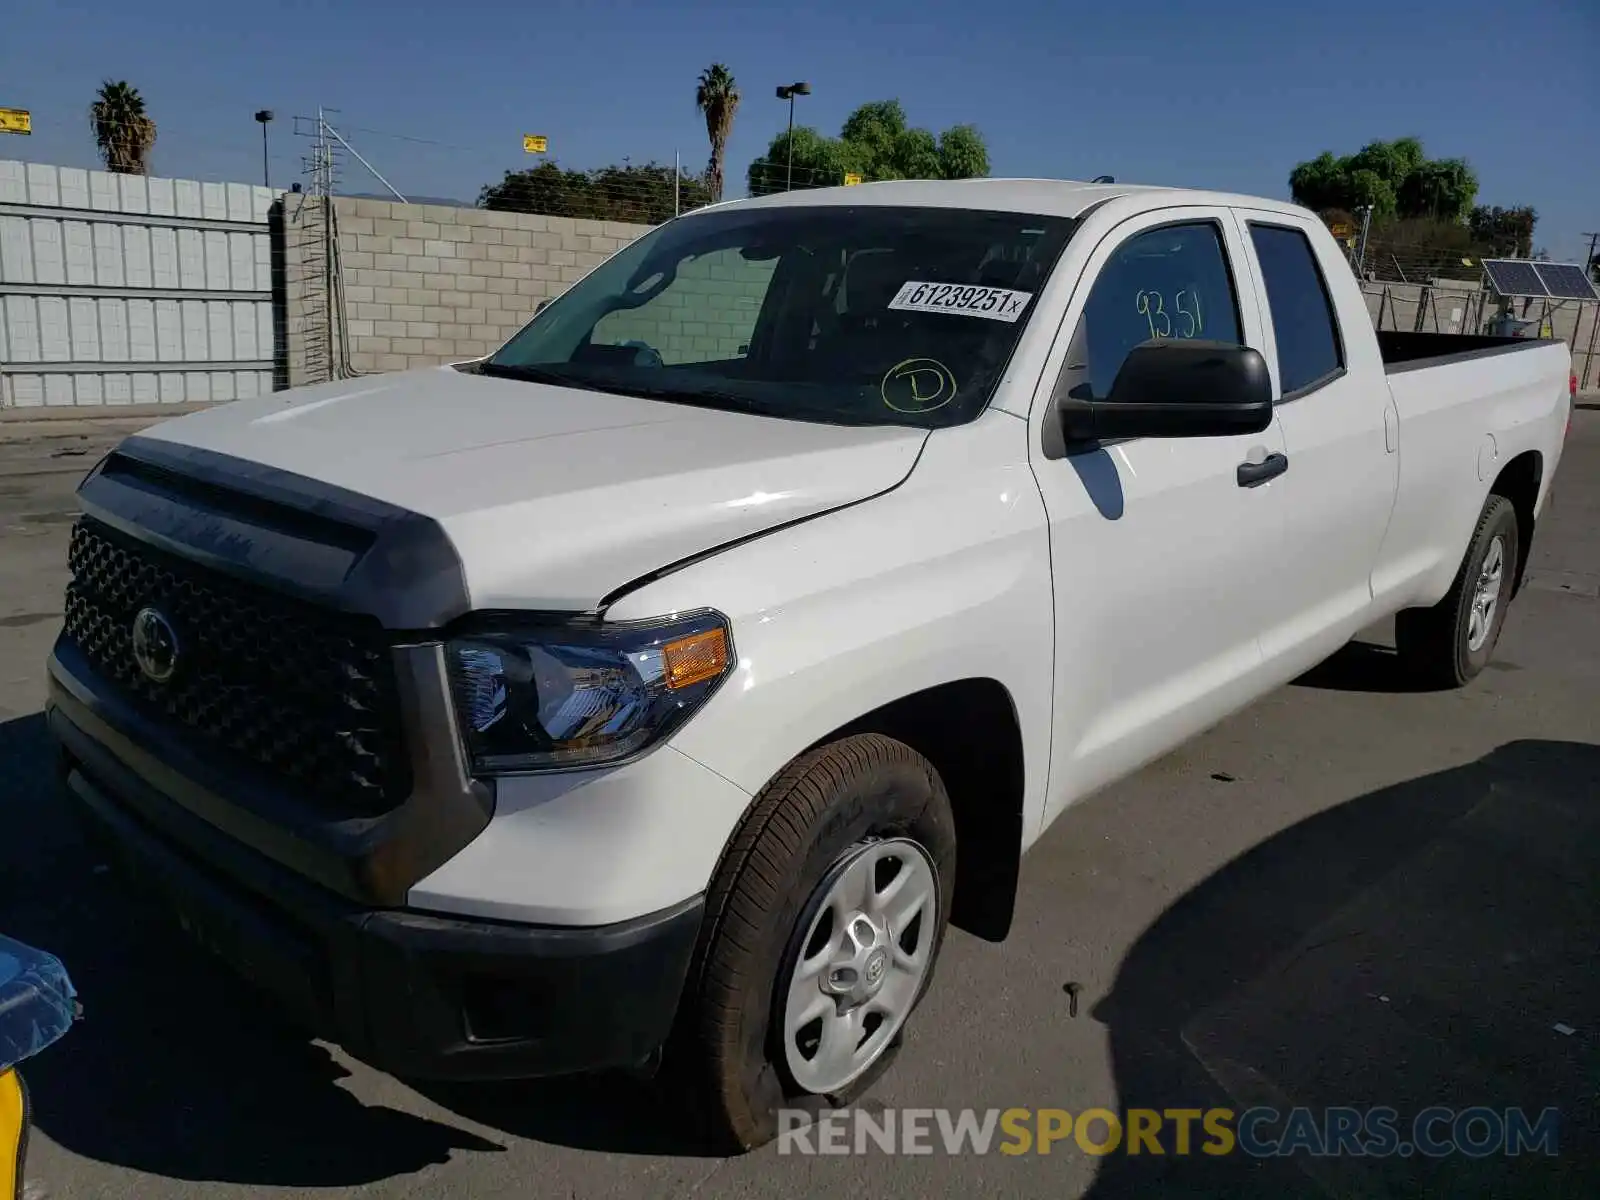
column 155, row 645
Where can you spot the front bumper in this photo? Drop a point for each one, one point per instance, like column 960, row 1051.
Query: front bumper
column 415, row 993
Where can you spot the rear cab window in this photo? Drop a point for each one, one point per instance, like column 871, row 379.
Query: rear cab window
column 1305, row 327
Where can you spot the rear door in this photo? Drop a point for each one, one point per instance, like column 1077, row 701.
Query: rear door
column 1160, row 558
column 1337, row 494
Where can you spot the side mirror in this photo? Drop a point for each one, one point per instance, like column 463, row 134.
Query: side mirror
column 542, row 303
column 1177, row 388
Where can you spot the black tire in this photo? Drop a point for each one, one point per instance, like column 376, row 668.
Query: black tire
column 725, row 1054
column 1434, row 643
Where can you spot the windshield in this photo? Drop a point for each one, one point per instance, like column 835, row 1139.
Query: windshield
column 858, row 315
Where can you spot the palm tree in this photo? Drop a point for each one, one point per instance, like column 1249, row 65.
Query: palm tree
column 717, row 98
column 122, row 131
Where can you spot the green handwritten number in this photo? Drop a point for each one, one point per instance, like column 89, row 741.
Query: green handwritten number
column 1151, row 305
column 1196, row 324
column 1188, row 317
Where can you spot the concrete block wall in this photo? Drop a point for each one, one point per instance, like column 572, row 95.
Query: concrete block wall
column 426, row 284
column 708, row 313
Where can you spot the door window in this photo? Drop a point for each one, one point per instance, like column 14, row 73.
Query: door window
column 1303, row 324
column 1171, row 282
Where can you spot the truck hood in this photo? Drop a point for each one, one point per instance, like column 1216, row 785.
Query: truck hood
column 552, row 496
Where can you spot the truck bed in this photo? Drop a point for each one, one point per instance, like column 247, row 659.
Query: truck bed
column 1404, row 351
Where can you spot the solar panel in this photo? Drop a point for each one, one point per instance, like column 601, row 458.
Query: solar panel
column 1512, row 277
column 1567, row 281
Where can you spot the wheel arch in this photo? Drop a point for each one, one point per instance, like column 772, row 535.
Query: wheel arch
column 1519, row 482
column 969, row 730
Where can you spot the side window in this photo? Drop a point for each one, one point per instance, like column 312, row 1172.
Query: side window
column 1171, row 282
column 1303, row 321
column 707, row 314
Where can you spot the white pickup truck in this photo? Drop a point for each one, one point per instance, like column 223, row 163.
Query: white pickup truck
column 656, row 690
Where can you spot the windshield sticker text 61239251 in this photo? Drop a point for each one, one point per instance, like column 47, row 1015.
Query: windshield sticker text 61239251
column 966, row 300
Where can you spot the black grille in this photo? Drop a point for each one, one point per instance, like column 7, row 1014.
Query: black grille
column 305, row 693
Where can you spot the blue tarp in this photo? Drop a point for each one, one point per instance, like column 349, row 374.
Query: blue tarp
column 37, row 1001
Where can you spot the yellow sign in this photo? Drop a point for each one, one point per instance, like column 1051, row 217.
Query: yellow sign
column 16, row 120
column 535, row 143
column 1341, row 230
column 851, row 179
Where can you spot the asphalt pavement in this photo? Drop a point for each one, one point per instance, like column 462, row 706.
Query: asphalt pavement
column 1352, row 893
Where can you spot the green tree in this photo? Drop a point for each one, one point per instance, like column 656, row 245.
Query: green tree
column 123, row 131
column 1396, row 179
column 876, row 142
column 639, row 194
column 1503, row 232
column 717, row 98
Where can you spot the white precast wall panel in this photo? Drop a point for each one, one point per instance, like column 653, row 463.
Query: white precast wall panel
column 121, row 289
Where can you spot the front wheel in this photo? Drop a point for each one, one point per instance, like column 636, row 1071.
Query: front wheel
column 822, row 929
column 1449, row 644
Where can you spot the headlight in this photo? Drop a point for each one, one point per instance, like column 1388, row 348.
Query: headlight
column 539, row 698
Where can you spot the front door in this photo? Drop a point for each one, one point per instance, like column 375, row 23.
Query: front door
column 1160, row 553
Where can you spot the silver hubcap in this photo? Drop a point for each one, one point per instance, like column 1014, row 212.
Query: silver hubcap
column 1486, row 597
column 859, row 969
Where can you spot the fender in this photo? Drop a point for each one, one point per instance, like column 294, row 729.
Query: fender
column 945, row 578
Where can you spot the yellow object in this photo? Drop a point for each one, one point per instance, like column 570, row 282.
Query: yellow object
column 918, row 385
column 695, row 658
column 851, row 179
column 535, row 143
column 13, row 1132
column 16, row 120
column 1340, row 230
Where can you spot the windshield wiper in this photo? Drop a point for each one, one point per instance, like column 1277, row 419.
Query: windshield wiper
column 703, row 397
column 714, row 398
column 541, row 374
column 534, row 374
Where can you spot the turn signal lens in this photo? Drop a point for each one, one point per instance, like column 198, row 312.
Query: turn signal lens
column 696, row 658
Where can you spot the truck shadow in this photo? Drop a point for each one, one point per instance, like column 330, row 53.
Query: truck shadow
column 176, row 1069
column 1362, row 666
column 181, row 1070
column 1431, row 943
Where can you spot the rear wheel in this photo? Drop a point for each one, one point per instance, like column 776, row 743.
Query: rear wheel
column 822, row 930
column 1449, row 644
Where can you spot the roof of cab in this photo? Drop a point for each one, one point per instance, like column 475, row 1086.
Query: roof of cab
column 1046, row 197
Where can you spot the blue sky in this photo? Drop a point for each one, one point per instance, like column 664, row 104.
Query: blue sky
column 1189, row 93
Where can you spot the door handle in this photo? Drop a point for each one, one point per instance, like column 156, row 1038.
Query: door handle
column 1254, row 474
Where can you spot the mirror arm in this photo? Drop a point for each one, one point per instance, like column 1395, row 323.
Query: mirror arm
column 1076, row 418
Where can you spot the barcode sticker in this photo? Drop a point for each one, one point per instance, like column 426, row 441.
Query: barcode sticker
column 991, row 303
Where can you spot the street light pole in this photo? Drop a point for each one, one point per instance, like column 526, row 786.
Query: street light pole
column 789, row 92
column 264, row 116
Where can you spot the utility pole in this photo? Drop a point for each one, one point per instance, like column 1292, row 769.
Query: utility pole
column 1361, row 255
